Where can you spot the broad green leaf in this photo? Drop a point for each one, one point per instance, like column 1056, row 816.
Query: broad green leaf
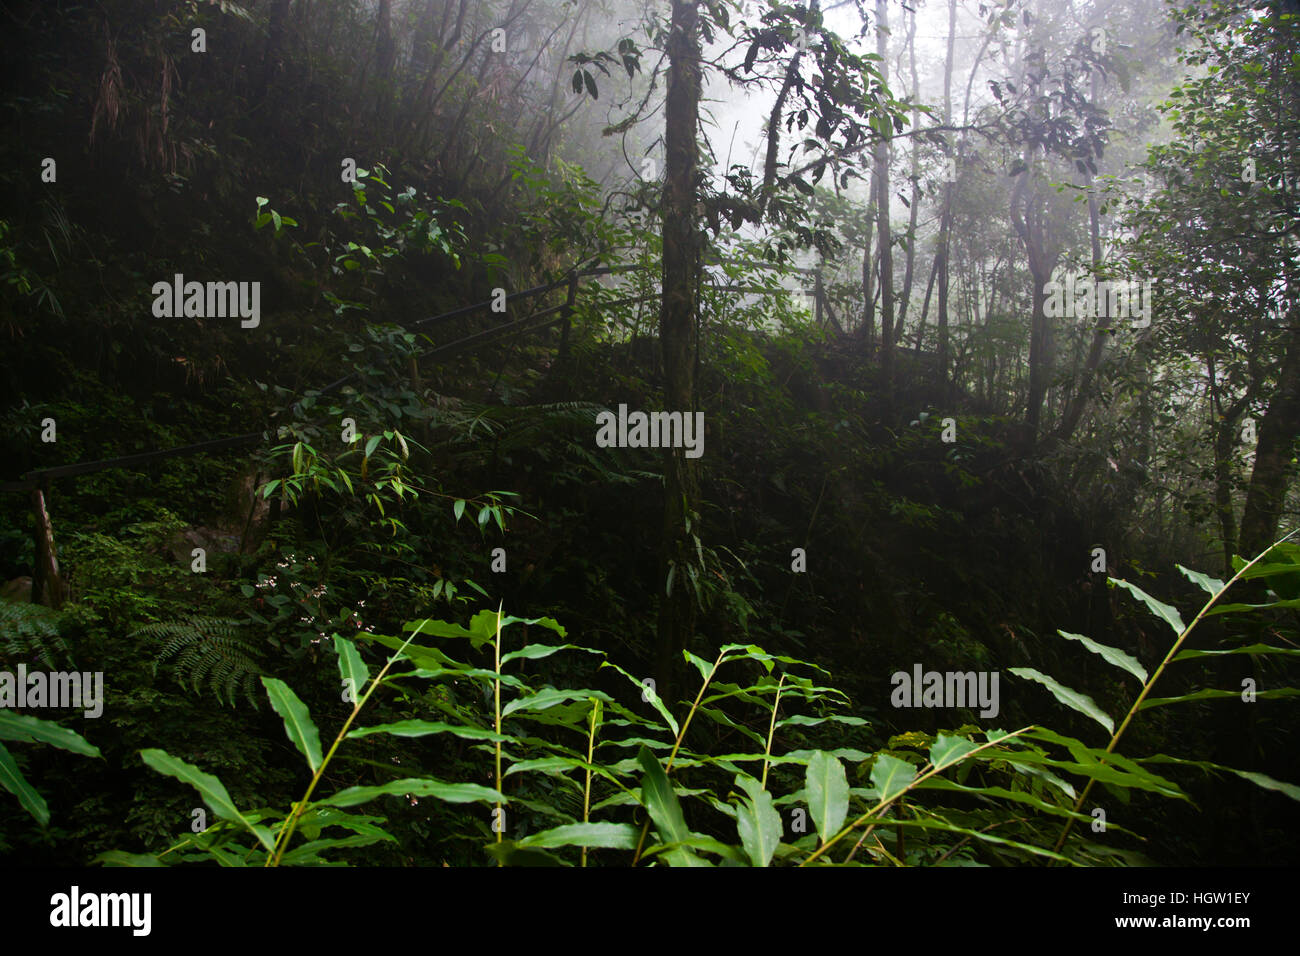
column 25, row 729
column 372, row 443
column 720, row 717
column 1206, row 583
column 535, row 651
column 827, row 787
column 1163, row 611
column 936, row 823
column 614, row 836
column 1111, row 655
column 891, row 776
column 458, row 509
column 544, row 698
column 13, row 781
column 308, row 853
column 1102, row 773
column 661, row 803
column 1259, row 779
column 1249, row 608
column 423, row 728
column 757, row 822
column 699, row 663
column 510, row 853
column 212, row 790
column 122, row 858
column 417, row 787
column 429, row 658
column 654, row 700
column 802, row 720
column 947, row 750
column 1001, row 793
column 351, row 667
column 699, row 841
column 1191, row 654
column 1071, row 698
column 1210, row 693
column 297, row 721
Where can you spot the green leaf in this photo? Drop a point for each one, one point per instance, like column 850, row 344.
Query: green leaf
column 1191, row 654
column 1163, row 611
column 1259, row 779
column 613, row 836
column 660, row 801
column 544, row 698
column 297, row 721
column 1206, row 583
column 535, row 651
column 351, row 667
column 458, row 508
column 25, row 729
column 417, row 787
column 423, row 728
column 828, row 793
column 211, row 789
column 946, row 750
column 1071, row 698
column 372, row 443
column 13, row 781
column 510, row 853
column 891, row 776
column 1210, row 693
column 655, row 702
column 757, row 821
column 122, row 858
column 1111, row 655
column 704, row 667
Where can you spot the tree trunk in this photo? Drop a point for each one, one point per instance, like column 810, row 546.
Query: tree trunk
column 882, row 212
column 678, row 336
column 915, row 177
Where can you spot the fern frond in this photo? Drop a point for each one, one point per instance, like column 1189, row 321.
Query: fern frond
column 32, row 631
column 209, row 648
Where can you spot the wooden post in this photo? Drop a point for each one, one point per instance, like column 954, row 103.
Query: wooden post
column 47, row 583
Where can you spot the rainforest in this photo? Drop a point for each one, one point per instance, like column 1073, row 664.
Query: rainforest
column 953, row 525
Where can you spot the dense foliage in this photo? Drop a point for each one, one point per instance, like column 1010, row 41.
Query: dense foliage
column 417, row 615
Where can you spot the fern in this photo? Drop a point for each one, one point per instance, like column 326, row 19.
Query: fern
column 32, row 630
column 211, row 648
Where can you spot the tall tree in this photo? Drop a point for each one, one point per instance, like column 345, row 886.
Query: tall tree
column 678, row 317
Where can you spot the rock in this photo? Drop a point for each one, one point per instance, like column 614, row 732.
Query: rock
column 19, row 589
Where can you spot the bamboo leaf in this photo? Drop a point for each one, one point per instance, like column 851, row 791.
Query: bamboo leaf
column 1071, row 698
column 1163, row 611
column 352, row 668
column 416, row 787
column 212, row 790
column 613, row 836
column 1111, row 655
column 13, row 781
column 297, row 721
column 25, row 729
